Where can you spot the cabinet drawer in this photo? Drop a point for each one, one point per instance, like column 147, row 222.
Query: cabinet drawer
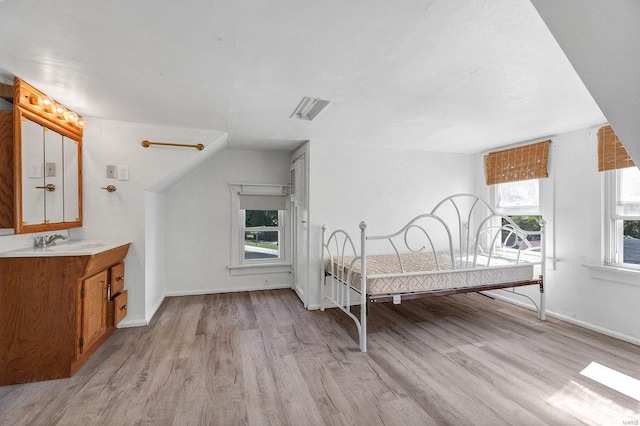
column 117, row 278
column 120, row 307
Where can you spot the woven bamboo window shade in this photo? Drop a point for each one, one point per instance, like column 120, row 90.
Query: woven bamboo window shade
column 611, row 152
column 520, row 163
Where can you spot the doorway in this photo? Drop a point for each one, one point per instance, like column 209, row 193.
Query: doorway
column 300, row 223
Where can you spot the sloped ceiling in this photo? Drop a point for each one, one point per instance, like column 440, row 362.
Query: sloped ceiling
column 435, row 75
column 602, row 41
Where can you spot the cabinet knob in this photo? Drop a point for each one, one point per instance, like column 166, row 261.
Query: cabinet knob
column 120, row 278
column 123, row 307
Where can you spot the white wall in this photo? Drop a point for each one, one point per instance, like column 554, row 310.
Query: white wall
column 602, row 41
column 384, row 187
column 121, row 214
column 600, row 299
column 154, row 253
column 197, row 216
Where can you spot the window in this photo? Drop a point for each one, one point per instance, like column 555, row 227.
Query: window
column 261, row 235
column 522, row 197
column 622, row 217
column 622, row 201
column 521, row 202
column 260, row 223
column 515, row 178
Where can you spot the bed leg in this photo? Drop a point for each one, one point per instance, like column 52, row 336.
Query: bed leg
column 323, row 283
column 542, row 314
column 363, row 326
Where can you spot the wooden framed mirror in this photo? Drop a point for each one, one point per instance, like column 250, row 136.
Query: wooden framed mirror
column 46, row 163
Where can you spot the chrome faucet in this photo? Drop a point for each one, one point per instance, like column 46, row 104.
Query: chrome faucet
column 48, row 240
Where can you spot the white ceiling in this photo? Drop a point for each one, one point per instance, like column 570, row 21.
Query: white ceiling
column 441, row 75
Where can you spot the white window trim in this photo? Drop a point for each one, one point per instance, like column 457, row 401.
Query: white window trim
column 281, row 230
column 237, row 265
column 612, row 241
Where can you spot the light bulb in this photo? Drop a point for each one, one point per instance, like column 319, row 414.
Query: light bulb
column 71, row 117
column 81, row 123
column 60, row 110
column 48, row 105
column 35, row 100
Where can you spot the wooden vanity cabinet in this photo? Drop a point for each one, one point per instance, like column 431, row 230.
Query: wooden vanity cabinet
column 117, row 309
column 54, row 313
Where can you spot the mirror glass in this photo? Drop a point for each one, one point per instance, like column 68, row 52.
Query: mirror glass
column 49, row 176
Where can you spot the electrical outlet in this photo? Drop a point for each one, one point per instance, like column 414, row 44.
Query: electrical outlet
column 123, row 173
column 111, row 171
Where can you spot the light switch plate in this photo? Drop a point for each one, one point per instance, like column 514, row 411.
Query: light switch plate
column 123, row 173
column 111, row 171
column 35, row 170
column 50, row 169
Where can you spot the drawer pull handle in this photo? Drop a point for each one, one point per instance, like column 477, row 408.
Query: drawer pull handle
column 120, row 278
column 123, row 307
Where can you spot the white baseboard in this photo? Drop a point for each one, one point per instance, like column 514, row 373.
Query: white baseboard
column 128, row 323
column 225, row 290
column 574, row 321
column 154, row 310
column 596, row 328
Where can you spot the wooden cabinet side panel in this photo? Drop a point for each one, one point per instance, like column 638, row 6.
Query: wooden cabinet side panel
column 38, row 308
column 6, row 170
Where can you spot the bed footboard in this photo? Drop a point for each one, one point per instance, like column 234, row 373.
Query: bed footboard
column 337, row 287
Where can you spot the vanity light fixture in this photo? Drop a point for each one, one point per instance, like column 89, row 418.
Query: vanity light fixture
column 309, row 108
column 58, row 110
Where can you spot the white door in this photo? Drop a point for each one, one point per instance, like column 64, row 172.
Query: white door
column 300, row 228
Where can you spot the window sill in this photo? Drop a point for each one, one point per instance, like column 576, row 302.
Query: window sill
column 266, row 268
column 614, row 273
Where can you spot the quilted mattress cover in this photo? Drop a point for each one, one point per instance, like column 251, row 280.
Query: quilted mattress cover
column 422, row 273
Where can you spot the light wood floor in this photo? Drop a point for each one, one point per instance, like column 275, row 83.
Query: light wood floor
column 260, row 358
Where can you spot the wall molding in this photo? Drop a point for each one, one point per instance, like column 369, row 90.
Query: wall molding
column 226, row 290
column 589, row 326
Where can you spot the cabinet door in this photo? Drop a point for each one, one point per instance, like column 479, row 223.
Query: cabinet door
column 32, row 173
column 94, row 309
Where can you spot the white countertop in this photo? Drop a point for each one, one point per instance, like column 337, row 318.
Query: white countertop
column 67, row 248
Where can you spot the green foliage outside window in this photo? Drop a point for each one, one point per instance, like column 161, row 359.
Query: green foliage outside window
column 631, row 229
column 255, row 218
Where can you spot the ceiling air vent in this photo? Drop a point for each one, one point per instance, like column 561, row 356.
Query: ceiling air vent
column 309, row 108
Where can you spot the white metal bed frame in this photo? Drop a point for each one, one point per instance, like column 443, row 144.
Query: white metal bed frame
column 487, row 241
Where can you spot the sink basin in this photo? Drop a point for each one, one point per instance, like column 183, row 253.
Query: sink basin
column 67, row 248
column 75, row 246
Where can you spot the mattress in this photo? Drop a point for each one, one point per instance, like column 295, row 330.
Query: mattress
column 422, row 273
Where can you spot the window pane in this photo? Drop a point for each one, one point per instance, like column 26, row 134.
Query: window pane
column 629, row 201
column 631, row 242
column 255, row 218
column 526, row 223
column 522, row 195
column 261, row 245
